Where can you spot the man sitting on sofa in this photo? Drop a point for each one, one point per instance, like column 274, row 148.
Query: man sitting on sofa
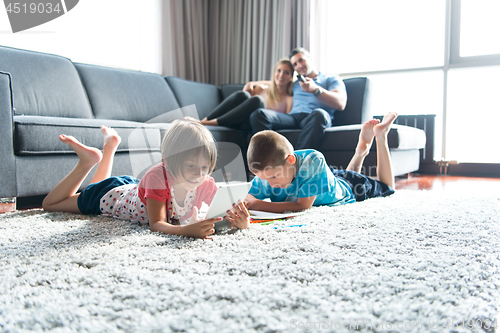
column 315, row 101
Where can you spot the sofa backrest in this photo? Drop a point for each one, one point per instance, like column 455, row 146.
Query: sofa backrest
column 44, row 84
column 125, row 94
column 205, row 96
column 357, row 110
column 230, row 88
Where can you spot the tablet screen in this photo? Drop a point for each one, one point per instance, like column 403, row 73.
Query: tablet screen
column 226, row 195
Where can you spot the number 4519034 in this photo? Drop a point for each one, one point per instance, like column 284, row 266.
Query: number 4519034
column 32, row 8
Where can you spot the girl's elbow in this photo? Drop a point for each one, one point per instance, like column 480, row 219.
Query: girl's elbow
column 154, row 226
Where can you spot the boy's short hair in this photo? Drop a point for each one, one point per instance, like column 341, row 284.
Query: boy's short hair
column 184, row 139
column 267, row 149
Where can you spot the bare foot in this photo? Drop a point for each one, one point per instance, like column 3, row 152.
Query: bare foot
column 88, row 156
column 211, row 122
column 110, row 137
column 204, row 121
column 366, row 137
column 187, row 118
column 383, row 128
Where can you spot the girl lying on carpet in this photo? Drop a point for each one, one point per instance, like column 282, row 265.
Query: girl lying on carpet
column 168, row 196
column 297, row 180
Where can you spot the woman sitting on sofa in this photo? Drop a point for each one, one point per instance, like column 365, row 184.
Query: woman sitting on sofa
column 235, row 110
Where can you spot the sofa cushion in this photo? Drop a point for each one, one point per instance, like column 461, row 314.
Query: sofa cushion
column 125, row 94
column 44, row 84
column 205, row 96
column 39, row 135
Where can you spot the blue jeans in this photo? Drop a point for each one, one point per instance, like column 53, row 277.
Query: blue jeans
column 90, row 198
column 313, row 125
column 363, row 187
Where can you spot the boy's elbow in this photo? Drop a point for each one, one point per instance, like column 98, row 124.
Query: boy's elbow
column 305, row 203
column 305, row 206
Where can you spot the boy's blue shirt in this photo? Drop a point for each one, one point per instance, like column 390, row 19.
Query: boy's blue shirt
column 313, row 178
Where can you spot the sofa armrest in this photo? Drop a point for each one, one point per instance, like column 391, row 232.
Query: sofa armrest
column 7, row 158
column 357, row 110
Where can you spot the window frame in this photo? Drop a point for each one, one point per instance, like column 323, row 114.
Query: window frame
column 452, row 60
column 457, row 61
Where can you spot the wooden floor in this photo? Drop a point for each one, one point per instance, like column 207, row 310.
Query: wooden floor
column 448, row 183
column 442, row 183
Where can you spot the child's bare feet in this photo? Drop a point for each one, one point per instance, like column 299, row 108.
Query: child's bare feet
column 383, row 128
column 211, row 122
column 204, row 121
column 110, row 137
column 187, row 118
column 88, row 156
column 366, row 137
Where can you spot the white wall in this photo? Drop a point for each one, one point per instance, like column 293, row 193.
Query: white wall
column 116, row 33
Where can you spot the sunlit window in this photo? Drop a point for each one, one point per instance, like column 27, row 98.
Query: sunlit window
column 367, row 35
column 116, row 33
column 401, row 47
column 473, row 115
column 479, row 28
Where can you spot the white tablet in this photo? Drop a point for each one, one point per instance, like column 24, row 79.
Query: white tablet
column 226, row 195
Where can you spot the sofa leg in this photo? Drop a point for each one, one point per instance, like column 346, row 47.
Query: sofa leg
column 7, row 205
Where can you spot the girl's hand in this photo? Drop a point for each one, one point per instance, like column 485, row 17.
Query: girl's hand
column 239, row 216
column 200, row 228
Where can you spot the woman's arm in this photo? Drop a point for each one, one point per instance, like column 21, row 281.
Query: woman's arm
column 256, row 87
column 289, row 104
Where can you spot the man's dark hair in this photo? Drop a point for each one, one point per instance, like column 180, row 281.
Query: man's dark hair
column 299, row 50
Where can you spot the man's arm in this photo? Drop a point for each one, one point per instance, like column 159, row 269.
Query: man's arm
column 336, row 99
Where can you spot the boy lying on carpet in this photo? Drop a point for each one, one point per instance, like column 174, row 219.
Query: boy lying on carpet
column 299, row 180
column 168, row 196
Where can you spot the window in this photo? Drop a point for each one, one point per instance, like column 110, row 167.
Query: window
column 473, row 115
column 479, row 27
column 428, row 57
column 116, row 33
column 366, row 35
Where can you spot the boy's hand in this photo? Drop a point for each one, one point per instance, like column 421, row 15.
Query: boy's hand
column 250, row 201
column 200, row 228
column 239, row 216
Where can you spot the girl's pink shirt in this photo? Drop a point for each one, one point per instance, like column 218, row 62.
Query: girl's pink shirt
column 157, row 182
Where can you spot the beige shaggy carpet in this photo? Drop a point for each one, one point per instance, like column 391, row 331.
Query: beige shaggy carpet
column 414, row 262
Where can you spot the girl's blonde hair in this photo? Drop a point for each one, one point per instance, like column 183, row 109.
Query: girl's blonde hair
column 273, row 94
column 184, row 139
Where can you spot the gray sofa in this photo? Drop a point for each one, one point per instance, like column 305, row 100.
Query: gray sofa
column 44, row 95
